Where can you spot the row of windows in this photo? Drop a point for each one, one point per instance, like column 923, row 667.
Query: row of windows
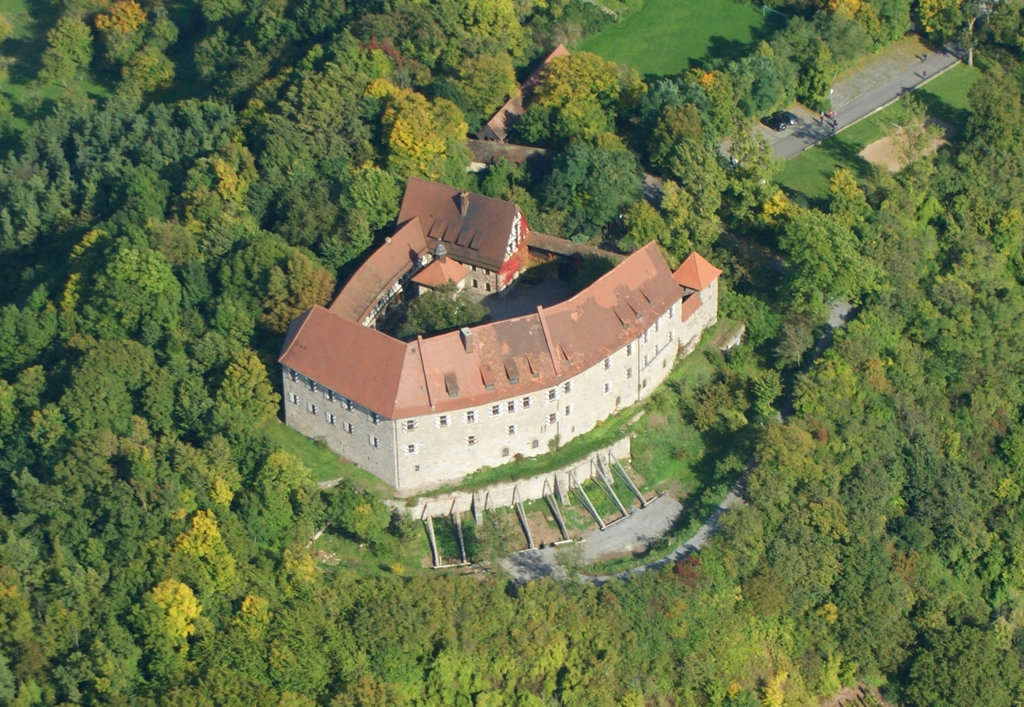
column 470, row 415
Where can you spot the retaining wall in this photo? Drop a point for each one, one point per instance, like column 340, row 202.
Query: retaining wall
column 500, row 495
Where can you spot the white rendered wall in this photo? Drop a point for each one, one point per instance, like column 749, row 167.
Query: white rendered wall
column 433, row 452
column 430, row 452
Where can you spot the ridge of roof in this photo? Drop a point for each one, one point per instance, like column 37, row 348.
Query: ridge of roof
column 547, row 339
column 695, row 272
column 405, row 379
column 440, row 272
column 385, row 266
column 474, row 228
column 371, row 371
column 517, row 103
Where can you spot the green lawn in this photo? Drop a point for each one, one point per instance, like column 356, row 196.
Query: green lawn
column 946, row 100
column 23, row 52
column 325, row 464
column 669, row 36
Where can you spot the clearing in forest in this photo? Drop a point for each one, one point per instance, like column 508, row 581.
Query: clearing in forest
column 669, row 36
column 892, row 151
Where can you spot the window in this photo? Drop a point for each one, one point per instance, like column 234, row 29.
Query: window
column 535, row 443
column 487, row 286
column 511, row 429
column 672, row 311
column 645, row 359
column 607, row 387
column 476, row 285
column 470, row 415
column 348, row 405
column 293, row 398
column 412, row 449
column 618, row 401
column 409, row 425
column 374, row 442
column 348, row 427
column 645, row 336
column 552, row 418
column 511, row 405
column 629, row 373
column 568, row 409
column 312, row 408
column 629, row 349
column 607, row 363
column 567, row 386
column 495, row 410
column 664, row 363
column 553, row 394
column 526, row 402
column 471, row 441
column 373, row 417
column 504, row 451
column 442, row 421
column 312, row 386
column 331, row 418
column 293, row 375
column 671, row 335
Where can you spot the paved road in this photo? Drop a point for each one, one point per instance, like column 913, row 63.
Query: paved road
column 857, row 97
column 632, row 534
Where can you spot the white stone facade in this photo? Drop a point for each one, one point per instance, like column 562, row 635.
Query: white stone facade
column 421, row 453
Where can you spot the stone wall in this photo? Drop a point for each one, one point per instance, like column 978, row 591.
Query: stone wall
column 349, row 429
column 417, row 454
column 439, row 449
column 500, row 495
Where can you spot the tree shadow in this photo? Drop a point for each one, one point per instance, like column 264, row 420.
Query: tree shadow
column 724, row 49
column 940, row 110
column 26, row 51
column 846, row 155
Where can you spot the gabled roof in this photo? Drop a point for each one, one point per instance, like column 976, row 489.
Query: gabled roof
column 498, row 360
column 440, row 272
column 381, row 270
column 360, row 363
column 497, row 126
column 475, row 229
column 695, row 273
column 523, row 355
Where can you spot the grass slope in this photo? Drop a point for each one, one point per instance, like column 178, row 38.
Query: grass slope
column 669, row 36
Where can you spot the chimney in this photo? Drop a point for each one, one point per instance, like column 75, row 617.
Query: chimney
column 464, row 202
column 467, row 339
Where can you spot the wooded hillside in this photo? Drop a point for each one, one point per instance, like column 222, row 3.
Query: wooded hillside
column 179, row 181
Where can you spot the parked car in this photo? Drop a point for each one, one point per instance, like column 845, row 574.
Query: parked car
column 780, row 121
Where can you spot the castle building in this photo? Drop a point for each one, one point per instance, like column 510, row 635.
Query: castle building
column 424, row 413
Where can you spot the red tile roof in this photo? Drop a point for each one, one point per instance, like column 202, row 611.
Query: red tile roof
column 690, row 305
column 360, row 363
column 695, row 273
column 475, row 228
column 440, row 272
column 505, row 359
column 538, row 350
column 380, row 272
column 497, row 126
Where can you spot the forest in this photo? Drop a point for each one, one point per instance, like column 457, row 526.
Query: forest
column 178, row 181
